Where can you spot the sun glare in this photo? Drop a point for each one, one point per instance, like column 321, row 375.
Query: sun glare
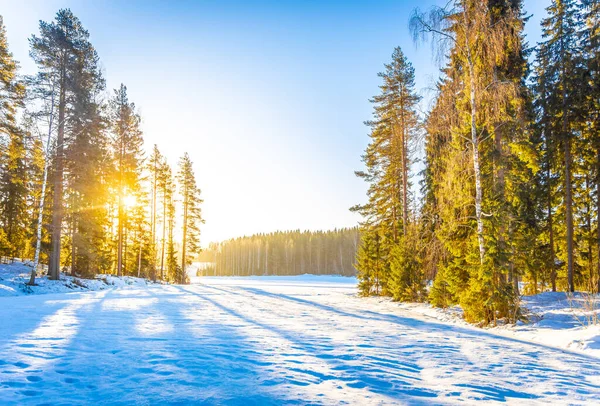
column 129, row 201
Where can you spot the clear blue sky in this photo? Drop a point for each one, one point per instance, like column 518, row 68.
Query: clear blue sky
column 268, row 97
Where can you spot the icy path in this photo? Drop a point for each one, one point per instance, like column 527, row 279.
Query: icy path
column 285, row 341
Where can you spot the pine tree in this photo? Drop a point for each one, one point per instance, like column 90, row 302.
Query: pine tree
column 13, row 155
column 560, row 52
column 591, row 47
column 155, row 166
column 141, row 261
column 165, row 185
column 56, row 53
column 546, row 181
column 173, row 269
column 128, row 156
column 87, row 167
column 388, row 160
column 191, row 213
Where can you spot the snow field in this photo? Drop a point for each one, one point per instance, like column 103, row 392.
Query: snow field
column 268, row 341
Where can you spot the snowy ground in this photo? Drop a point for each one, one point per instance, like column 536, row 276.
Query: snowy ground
column 555, row 320
column 262, row 341
column 14, row 278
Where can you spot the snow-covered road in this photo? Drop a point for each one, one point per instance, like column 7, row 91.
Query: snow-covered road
column 266, row 341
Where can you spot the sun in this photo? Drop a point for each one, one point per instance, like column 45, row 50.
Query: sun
column 129, row 201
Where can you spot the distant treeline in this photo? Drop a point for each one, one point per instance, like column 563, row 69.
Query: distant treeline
column 285, row 253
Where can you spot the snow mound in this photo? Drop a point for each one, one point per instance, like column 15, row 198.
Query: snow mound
column 14, row 278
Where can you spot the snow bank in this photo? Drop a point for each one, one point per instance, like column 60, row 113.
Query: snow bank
column 14, row 278
column 554, row 319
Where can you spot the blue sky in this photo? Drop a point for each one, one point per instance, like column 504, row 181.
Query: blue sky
column 268, row 97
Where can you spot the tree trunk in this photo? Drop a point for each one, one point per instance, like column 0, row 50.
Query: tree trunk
column 120, row 236
column 154, row 193
column 120, row 212
column 38, row 239
column 54, row 263
column 569, row 214
column 139, row 260
column 162, row 250
column 598, row 220
column 568, row 185
column 183, row 243
column 73, row 232
column 38, row 242
column 551, row 239
column 476, row 168
column 404, row 178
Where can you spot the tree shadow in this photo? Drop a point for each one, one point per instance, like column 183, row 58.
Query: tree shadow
column 531, row 363
column 394, row 378
column 32, row 358
column 120, row 353
column 411, row 322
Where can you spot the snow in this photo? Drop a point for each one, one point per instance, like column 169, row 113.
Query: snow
column 14, row 278
column 554, row 319
column 271, row 341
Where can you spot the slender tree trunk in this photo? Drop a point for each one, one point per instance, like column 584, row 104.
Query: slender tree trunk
column 38, row 242
column 183, row 243
column 569, row 213
column 404, row 176
column 120, row 213
column 154, row 193
column 550, row 223
column 598, row 219
column 139, row 260
column 73, row 232
column 500, row 191
column 120, row 237
column 57, row 212
column 551, row 237
column 162, row 250
column 377, row 266
column 476, row 168
column 38, row 239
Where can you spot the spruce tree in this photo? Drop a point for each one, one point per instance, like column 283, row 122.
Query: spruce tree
column 407, row 282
